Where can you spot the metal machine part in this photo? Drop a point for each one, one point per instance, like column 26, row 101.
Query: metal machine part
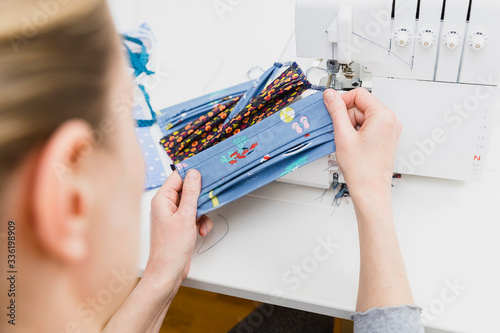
column 346, row 77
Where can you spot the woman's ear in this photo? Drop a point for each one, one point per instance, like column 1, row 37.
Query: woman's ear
column 61, row 199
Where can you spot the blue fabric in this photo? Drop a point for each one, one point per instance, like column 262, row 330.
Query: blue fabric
column 262, row 153
column 146, row 122
column 139, row 61
column 135, row 43
column 155, row 174
column 175, row 117
column 254, row 90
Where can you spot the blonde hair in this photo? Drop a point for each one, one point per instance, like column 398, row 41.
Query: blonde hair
column 55, row 57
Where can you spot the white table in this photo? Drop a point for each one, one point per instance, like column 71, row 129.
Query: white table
column 449, row 231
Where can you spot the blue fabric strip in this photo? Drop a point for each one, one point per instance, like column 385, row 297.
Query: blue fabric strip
column 146, row 122
column 139, row 61
column 260, row 154
column 176, row 117
column 255, row 90
column 137, row 40
column 155, row 174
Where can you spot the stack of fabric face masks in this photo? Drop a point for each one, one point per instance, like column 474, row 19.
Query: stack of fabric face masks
column 247, row 136
column 240, row 138
column 233, row 113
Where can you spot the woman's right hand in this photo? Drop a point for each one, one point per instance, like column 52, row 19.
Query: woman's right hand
column 366, row 136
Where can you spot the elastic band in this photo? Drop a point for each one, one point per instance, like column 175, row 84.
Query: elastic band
column 314, row 86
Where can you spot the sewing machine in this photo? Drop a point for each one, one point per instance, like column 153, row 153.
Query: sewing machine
column 434, row 62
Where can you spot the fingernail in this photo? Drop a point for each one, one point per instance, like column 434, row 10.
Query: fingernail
column 193, row 174
column 329, row 96
column 204, row 229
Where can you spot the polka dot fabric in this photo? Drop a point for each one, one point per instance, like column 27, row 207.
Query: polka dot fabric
column 155, row 174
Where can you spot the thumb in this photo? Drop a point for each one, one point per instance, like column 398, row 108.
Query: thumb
column 338, row 111
column 190, row 193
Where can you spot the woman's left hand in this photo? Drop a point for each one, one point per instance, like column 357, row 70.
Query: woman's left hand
column 174, row 227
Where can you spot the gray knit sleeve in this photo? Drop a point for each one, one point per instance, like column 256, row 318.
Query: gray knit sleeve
column 393, row 319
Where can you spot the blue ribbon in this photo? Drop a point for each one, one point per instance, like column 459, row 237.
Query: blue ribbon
column 138, row 61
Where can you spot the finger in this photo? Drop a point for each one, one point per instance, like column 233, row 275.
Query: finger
column 190, row 193
column 171, row 188
column 337, row 109
column 361, row 99
column 357, row 117
column 205, row 224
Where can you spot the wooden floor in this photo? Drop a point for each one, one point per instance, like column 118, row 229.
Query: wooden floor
column 196, row 311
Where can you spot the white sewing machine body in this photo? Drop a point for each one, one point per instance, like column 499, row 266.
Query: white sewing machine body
column 434, row 62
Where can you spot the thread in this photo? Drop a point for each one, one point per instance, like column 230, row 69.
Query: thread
column 205, row 238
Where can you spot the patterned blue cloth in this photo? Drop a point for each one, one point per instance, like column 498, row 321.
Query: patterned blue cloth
column 175, row 117
column 254, row 90
column 262, row 153
column 139, row 45
column 155, row 174
column 139, row 61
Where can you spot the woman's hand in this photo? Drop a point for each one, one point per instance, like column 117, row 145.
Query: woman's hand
column 173, row 234
column 174, row 227
column 366, row 136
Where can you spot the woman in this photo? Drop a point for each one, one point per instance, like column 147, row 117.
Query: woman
column 71, row 183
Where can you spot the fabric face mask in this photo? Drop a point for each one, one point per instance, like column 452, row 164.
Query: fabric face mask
column 277, row 145
column 233, row 114
column 175, row 118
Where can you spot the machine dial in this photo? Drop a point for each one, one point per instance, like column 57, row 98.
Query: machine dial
column 478, row 40
column 427, row 38
column 402, row 37
column 452, row 39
